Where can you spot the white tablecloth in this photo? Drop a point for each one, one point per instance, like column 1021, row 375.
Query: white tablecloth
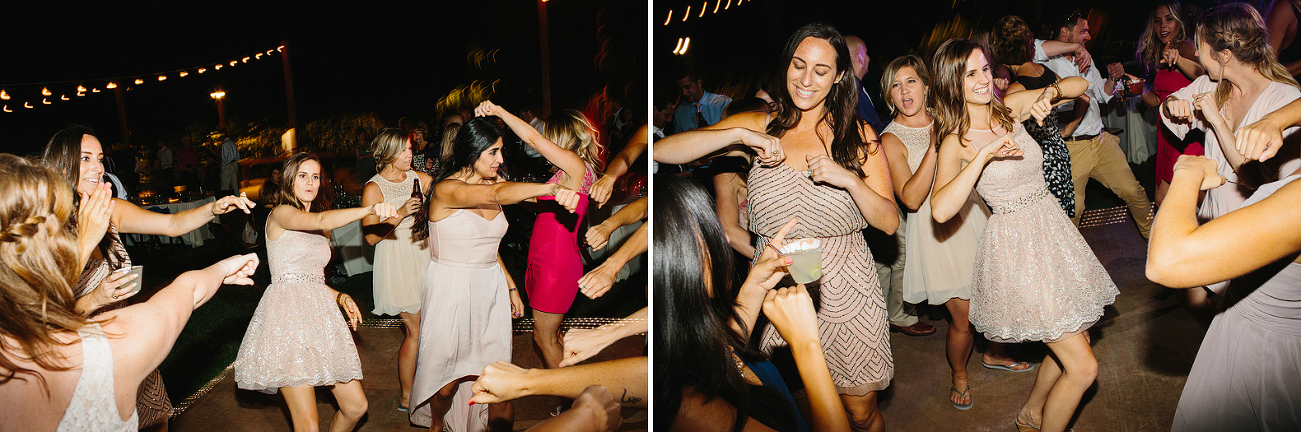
column 193, row 239
column 357, row 255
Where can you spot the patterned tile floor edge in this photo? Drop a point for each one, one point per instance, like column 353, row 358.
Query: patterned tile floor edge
column 521, row 326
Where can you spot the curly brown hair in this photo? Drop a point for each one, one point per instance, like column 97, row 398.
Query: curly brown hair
column 1008, row 41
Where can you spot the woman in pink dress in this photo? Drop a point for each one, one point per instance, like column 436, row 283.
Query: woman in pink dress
column 568, row 141
column 1167, row 48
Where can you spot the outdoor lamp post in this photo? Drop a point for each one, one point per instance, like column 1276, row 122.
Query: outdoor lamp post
column 221, row 109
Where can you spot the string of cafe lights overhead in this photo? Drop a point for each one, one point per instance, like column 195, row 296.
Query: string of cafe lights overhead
column 7, row 102
column 685, row 42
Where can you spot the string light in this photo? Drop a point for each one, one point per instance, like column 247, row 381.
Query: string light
column 668, row 18
column 716, row 5
column 686, row 15
column 703, row 7
column 81, row 89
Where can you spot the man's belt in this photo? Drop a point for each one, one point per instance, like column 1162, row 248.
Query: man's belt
column 1082, row 137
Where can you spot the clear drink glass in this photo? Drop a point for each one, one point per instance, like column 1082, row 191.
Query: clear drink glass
column 806, row 259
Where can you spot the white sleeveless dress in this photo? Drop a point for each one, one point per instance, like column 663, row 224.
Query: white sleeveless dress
column 94, row 406
column 399, row 262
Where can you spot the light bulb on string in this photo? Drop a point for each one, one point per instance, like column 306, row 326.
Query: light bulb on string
column 94, row 90
column 45, row 101
column 245, row 60
column 139, row 81
column 63, row 97
column 111, row 85
column 202, row 70
column 7, row 109
column 216, row 66
column 184, row 74
column 258, row 56
column 45, row 91
column 81, row 88
column 27, row 105
column 233, row 62
column 4, row 95
column 162, row 77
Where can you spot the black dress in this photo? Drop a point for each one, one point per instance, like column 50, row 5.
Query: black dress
column 1057, row 159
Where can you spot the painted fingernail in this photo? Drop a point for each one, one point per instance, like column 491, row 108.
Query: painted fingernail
column 471, row 403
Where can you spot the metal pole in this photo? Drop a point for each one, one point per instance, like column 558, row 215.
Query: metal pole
column 546, row 64
column 289, row 91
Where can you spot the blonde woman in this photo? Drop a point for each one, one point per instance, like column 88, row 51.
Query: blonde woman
column 569, row 142
column 60, row 370
column 399, row 261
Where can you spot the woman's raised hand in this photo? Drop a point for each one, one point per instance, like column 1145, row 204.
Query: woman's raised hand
column 238, row 269
column 568, row 198
column 791, row 312
column 1178, row 109
column 94, row 213
column 485, row 109
column 384, row 210
column 411, row 207
column 822, row 169
column 1201, row 165
column 767, row 147
column 1170, row 56
column 1205, row 104
column 1260, row 140
column 231, row 202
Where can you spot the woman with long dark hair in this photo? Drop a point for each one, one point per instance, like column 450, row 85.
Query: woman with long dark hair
column 297, row 339
column 816, row 160
column 1035, row 278
column 706, row 376
column 77, row 156
column 468, row 299
column 59, row 369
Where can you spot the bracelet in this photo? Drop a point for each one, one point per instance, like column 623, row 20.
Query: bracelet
column 338, row 299
column 1059, row 93
column 513, row 289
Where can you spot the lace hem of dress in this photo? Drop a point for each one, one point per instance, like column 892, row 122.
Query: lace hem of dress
column 270, row 387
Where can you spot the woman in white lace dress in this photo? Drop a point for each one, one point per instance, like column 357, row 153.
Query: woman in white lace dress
column 399, row 261
column 57, row 367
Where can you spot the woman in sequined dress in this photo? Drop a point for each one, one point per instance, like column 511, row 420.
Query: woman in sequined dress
column 297, row 339
column 1035, row 278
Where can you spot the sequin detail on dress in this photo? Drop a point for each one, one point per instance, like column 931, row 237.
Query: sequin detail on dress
column 1036, row 279
column 298, row 335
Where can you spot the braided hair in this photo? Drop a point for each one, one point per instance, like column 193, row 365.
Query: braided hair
column 1238, row 28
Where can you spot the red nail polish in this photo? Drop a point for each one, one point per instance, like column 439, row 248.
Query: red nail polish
column 471, row 403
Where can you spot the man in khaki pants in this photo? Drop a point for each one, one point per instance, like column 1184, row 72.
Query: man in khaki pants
column 1094, row 153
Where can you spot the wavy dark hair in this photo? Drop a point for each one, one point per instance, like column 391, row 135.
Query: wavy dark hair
column 840, row 110
column 1007, row 41
column 473, row 138
column 693, row 333
column 63, row 155
column 948, row 96
column 285, row 195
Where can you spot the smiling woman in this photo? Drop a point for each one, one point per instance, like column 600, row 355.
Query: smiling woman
column 816, row 160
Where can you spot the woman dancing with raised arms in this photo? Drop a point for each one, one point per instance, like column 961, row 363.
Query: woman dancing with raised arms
column 76, row 154
column 1035, row 278
column 814, row 159
column 60, row 370
column 569, row 143
column 399, row 261
column 469, row 299
column 297, row 339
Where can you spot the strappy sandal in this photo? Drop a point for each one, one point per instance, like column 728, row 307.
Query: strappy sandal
column 1024, row 425
column 962, row 394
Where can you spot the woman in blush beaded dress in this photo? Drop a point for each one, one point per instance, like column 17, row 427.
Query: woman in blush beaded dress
column 1035, row 278
column 569, row 142
column 469, row 299
column 399, row 261
column 297, row 339
column 815, row 159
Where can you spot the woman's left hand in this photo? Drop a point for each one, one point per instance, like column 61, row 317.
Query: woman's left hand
column 824, row 170
column 228, row 203
column 354, row 313
column 598, row 281
column 1205, row 104
column 1211, row 179
column 516, row 305
column 567, row 198
column 485, row 109
column 602, row 189
column 1044, row 105
column 597, row 236
column 770, row 267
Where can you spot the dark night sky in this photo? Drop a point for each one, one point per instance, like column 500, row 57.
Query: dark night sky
column 734, row 45
column 396, row 61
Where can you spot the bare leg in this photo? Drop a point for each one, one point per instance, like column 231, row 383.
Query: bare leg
column 352, row 406
column 864, row 416
column 407, row 356
column 1197, row 303
column 501, row 417
column 439, row 404
column 1079, row 368
column 302, row 408
column 958, row 344
column 546, row 334
column 1049, row 371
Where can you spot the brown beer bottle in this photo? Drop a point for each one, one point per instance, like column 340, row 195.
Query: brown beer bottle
column 415, row 191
